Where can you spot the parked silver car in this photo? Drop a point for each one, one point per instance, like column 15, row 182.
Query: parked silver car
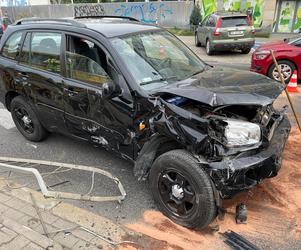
column 224, row 31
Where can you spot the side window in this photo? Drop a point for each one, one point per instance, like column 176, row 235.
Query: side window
column 86, row 62
column 11, row 48
column 42, row 50
column 210, row 22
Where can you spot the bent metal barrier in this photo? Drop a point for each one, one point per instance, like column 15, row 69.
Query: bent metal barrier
column 30, row 166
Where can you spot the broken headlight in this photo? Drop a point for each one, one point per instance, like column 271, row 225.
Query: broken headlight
column 240, row 133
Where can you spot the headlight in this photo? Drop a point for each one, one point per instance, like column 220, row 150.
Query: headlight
column 260, row 55
column 239, row 133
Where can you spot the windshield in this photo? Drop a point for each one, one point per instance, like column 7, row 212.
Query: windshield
column 293, row 39
column 156, row 59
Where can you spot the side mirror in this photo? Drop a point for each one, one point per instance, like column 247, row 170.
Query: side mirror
column 108, row 89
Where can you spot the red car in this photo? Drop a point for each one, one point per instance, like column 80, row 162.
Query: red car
column 287, row 53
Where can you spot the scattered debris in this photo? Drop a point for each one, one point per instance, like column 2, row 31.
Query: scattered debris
column 238, row 242
column 32, row 145
column 241, row 214
column 55, row 185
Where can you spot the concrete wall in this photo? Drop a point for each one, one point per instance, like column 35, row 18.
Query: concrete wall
column 168, row 14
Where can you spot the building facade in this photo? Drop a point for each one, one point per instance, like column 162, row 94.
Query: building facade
column 282, row 16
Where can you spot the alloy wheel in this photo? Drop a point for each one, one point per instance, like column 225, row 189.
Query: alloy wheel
column 24, row 120
column 177, row 193
column 286, row 71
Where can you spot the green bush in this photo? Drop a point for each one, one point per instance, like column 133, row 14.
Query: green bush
column 195, row 17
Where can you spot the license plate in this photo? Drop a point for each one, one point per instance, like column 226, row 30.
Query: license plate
column 236, row 33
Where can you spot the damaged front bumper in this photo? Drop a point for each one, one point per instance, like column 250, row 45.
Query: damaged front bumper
column 243, row 171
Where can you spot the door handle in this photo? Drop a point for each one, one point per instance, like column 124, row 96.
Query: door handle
column 22, row 74
column 71, row 92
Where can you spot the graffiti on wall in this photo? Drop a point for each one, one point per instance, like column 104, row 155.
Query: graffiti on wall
column 88, row 10
column 147, row 13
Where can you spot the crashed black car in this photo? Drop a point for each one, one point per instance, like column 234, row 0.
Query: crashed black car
column 199, row 134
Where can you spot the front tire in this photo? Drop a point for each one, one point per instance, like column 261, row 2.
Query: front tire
column 286, row 67
column 26, row 120
column 182, row 189
column 246, row 50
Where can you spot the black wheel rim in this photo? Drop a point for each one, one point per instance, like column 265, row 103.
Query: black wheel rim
column 177, row 193
column 24, row 120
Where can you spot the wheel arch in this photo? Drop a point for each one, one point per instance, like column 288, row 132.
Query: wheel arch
column 150, row 151
column 9, row 96
column 282, row 59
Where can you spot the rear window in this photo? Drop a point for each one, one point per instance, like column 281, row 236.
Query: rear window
column 234, row 21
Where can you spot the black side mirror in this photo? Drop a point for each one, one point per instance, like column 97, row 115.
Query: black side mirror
column 108, row 89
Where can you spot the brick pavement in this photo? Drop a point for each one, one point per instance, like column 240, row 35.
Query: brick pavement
column 21, row 228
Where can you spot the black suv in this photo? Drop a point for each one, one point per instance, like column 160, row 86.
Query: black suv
column 199, row 134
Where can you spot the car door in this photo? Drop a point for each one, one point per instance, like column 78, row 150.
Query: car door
column 39, row 75
column 90, row 114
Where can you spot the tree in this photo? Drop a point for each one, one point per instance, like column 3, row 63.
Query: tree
column 195, row 17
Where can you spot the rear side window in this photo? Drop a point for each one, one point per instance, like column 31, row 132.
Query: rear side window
column 234, row 21
column 211, row 22
column 42, row 50
column 11, row 48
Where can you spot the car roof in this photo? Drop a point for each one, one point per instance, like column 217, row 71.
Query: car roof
column 229, row 13
column 109, row 26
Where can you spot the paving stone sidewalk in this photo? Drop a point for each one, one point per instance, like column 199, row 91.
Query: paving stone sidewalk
column 65, row 226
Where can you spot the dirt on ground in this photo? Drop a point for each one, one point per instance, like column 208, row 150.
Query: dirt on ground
column 274, row 213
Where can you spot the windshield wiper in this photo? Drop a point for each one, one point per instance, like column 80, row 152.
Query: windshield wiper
column 158, row 80
column 197, row 72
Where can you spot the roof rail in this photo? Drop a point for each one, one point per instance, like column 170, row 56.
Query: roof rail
column 105, row 16
column 61, row 21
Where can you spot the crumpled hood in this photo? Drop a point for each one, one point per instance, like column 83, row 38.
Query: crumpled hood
column 225, row 86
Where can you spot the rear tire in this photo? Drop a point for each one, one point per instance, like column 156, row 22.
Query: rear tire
column 196, row 39
column 288, row 68
column 209, row 49
column 246, row 50
column 182, row 189
column 26, row 120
